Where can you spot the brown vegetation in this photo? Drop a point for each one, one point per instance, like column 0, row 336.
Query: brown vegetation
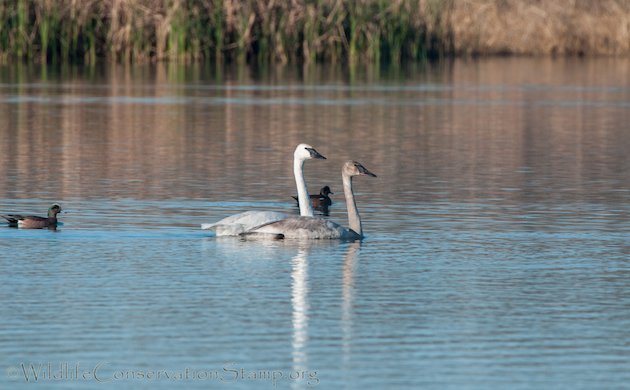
column 541, row 27
column 308, row 31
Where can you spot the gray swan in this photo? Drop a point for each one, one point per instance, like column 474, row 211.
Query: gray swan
column 306, row 227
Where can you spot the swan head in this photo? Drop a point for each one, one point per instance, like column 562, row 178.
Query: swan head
column 306, row 152
column 354, row 168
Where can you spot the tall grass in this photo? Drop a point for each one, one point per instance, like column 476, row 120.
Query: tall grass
column 265, row 31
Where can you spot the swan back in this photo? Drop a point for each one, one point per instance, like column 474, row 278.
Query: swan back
column 305, row 228
column 242, row 222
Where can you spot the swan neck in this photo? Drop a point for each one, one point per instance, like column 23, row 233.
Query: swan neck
column 354, row 220
column 305, row 202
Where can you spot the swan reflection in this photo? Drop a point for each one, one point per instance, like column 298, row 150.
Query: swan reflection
column 347, row 305
column 301, row 306
column 299, row 300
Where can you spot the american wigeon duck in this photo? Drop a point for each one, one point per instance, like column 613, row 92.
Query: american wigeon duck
column 322, row 200
column 34, row 222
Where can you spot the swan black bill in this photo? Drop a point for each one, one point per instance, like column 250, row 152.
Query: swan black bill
column 364, row 171
column 315, row 154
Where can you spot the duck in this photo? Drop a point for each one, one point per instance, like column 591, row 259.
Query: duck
column 321, row 200
column 239, row 223
column 305, row 227
column 34, row 222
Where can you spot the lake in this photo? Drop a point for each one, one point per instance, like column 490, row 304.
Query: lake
column 497, row 249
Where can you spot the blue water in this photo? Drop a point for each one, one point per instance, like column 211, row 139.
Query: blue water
column 497, row 250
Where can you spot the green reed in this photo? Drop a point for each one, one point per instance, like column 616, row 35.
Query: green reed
column 220, row 30
column 187, row 30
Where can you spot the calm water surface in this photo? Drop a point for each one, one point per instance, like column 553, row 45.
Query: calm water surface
column 497, row 253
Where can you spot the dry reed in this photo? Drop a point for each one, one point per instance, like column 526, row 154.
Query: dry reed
column 262, row 31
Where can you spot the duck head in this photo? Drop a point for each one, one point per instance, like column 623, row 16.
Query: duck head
column 54, row 210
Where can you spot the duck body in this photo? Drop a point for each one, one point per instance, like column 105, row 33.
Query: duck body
column 321, row 200
column 32, row 221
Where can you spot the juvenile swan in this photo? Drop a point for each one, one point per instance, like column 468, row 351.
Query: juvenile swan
column 239, row 223
column 319, row 228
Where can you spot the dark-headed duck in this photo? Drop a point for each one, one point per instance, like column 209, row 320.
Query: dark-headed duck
column 34, row 222
column 322, row 200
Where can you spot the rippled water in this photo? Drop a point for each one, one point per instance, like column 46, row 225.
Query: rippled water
column 497, row 250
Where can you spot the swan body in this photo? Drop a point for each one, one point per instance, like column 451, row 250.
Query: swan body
column 243, row 222
column 240, row 223
column 305, row 227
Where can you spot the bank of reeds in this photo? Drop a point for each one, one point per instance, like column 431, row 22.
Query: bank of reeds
column 307, row 30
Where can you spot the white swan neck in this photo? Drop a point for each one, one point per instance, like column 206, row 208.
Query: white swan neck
column 305, row 202
column 354, row 219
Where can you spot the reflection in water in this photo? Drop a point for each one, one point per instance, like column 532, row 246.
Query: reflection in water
column 347, row 306
column 534, row 130
column 299, row 300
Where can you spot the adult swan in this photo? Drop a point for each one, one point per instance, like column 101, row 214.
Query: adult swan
column 242, row 222
column 319, row 228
